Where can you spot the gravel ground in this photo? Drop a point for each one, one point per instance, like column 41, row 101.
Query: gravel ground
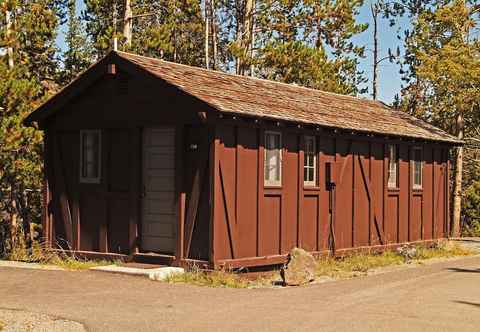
column 436, row 297
column 23, row 321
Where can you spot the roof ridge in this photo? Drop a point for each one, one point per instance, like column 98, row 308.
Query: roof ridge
column 377, row 102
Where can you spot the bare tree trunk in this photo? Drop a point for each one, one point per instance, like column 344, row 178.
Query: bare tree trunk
column 239, row 16
column 374, row 10
column 13, row 217
column 214, row 34
column 127, row 24
column 246, row 36
column 457, row 189
column 207, row 32
column 252, row 42
column 175, row 11
column 8, row 19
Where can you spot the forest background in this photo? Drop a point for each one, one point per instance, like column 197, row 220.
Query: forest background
column 422, row 56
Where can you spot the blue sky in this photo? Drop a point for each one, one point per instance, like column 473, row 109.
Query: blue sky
column 389, row 78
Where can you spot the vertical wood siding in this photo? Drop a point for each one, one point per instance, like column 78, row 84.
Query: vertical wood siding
column 100, row 212
column 253, row 220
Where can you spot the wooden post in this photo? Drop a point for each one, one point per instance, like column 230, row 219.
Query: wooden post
column 214, row 178
column 180, row 254
column 135, row 210
column 180, row 192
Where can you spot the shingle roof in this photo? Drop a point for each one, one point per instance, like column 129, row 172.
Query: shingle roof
column 260, row 98
column 268, row 99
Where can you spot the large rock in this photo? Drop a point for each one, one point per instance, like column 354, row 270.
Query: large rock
column 300, row 268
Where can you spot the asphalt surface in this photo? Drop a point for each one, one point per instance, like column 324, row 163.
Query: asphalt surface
column 439, row 297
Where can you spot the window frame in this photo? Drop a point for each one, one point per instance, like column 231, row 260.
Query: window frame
column 313, row 138
column 88, row 179
column 391, row 185
column 268, row 182
column 416, row 186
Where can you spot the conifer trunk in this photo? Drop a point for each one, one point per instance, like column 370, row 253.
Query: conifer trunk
column 127, row 24
column 374, row 10
column 8, row 19
column 214, row 34
column 207, row 34
column 457, row 190
column 248, row 32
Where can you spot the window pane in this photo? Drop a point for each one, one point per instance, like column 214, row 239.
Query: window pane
column 417, row 168
column 309, row 163
column 272, row 157
column 311, row 176
column 90, row 151
column 392, row 166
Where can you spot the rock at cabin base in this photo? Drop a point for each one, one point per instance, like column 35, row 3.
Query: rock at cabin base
column 300, row 268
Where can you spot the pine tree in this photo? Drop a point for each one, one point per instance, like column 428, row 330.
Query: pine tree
column 78, row 54
column 309, row 42
column 172, row 30
column 103, row 23
column 442, row 74
column 29, row 72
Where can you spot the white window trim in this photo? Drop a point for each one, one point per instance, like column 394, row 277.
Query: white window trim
column 99, row 171
column 314, row 182
column 393, row 185
column 273, row 183
column 417, row 186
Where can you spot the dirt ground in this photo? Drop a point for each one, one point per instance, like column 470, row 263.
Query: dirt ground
column 435, row 297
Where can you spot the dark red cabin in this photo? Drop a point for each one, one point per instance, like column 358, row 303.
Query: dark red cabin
column 150, row 159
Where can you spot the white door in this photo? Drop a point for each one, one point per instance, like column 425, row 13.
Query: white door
column 158, row 211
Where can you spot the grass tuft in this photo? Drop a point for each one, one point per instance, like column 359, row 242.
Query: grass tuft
column 78, row 264
column 228, row 279
column 445, row 249
column 359, row 264
column 39, row 253
column 336, row 268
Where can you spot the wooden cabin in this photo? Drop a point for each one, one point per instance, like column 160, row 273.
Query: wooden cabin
column 149, row 159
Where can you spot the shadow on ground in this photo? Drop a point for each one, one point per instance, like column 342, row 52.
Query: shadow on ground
column 468, row 303
column 456, row 269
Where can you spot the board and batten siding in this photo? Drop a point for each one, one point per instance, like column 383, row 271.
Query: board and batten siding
column 251, row 220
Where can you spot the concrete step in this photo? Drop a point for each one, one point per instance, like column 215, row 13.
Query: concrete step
column 160, row 274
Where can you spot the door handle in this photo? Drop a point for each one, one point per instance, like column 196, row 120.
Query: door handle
column 144, row 191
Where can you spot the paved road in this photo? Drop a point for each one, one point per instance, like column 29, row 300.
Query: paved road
column 439, row 297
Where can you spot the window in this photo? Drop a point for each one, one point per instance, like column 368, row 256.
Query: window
column 417, row 168
column 310, row 162
column 90, row 156
column 273, row 158
column 392, row 166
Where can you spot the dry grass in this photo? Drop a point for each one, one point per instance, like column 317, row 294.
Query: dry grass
column 220, row 278
column 78, row 264
column 39, row 253
column 336, row 268
column 360, row 264
column 355, row 265
column 445, row 249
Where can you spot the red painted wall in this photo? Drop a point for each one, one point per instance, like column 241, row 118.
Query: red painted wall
column 252, row 220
